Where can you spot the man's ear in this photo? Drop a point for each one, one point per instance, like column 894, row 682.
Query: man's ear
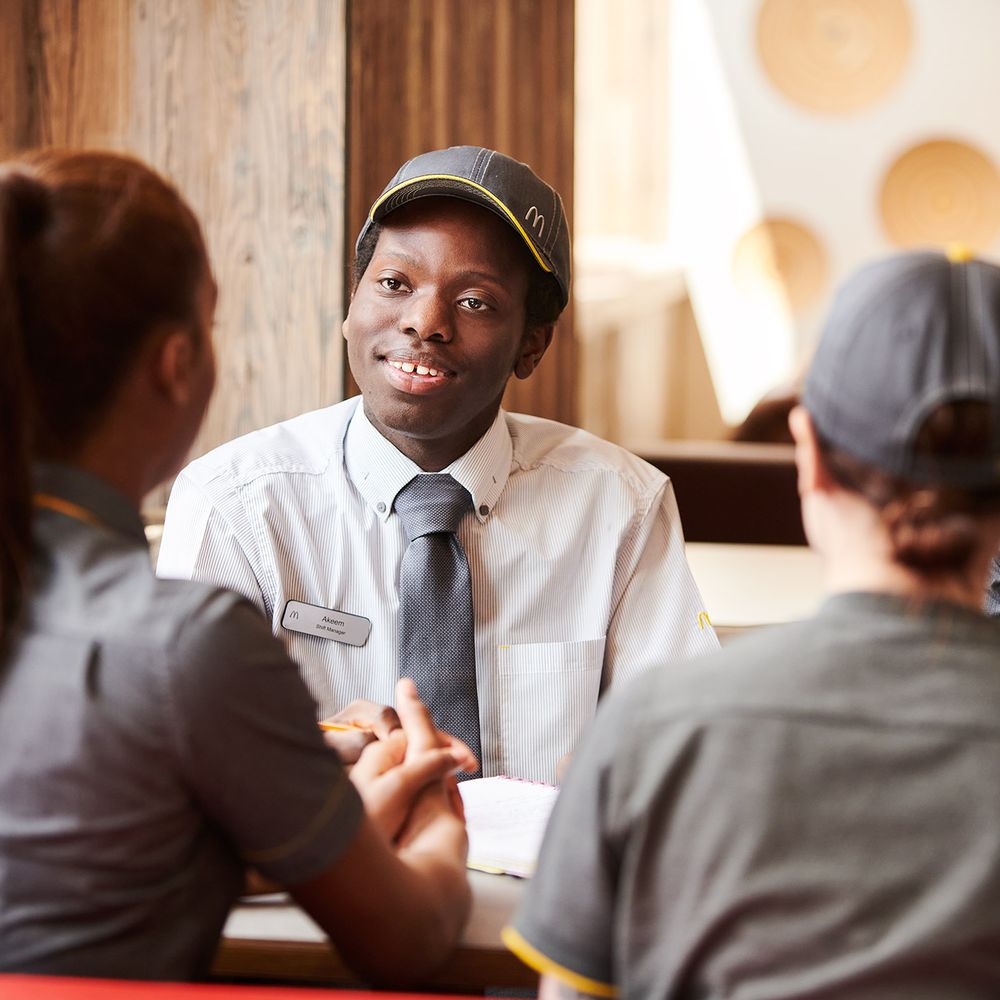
column 812, row 472
column 174, row 363
column 535, row 344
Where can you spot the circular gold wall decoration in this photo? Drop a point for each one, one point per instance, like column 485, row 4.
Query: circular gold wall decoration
column 834, row 56
column 942, row 192
column 780, row 259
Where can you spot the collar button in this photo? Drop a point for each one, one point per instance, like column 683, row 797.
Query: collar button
column 380, row 507
column 484, row 510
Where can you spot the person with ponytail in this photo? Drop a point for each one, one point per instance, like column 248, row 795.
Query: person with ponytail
column 155, row 739
column 814, row 811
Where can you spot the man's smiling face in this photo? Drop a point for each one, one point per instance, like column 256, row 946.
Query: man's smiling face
column 437, row 326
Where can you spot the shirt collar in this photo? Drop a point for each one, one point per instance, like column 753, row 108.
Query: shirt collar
column 379, row 471
column 81, row 489
column 484, row 468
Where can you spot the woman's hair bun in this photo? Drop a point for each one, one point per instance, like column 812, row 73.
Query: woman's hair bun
column 929, row 532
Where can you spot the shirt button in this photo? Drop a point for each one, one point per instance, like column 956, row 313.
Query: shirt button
column 484, row 510
column 380, row 507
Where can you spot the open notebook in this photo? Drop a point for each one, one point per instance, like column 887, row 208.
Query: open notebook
column 506, row 819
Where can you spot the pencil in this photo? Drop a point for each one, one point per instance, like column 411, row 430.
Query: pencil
column 343, row 727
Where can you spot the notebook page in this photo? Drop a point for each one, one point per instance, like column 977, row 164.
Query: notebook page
column 506, row 819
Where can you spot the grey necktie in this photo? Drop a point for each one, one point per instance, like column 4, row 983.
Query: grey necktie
column 436, row 638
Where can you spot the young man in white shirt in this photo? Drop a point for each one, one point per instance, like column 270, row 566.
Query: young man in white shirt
column 574, row 550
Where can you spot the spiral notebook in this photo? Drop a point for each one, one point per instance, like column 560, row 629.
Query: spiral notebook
column 506, row 819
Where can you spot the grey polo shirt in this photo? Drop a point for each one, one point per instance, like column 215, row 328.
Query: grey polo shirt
column 154, row 740
column 813, row 812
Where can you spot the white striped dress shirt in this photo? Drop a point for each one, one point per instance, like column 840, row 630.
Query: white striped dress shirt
column 579, row 578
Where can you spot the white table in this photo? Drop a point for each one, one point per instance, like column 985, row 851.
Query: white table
column 749, row 585
column 743, row 586
column 276, row 941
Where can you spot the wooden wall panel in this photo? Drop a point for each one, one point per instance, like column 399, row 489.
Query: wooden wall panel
column 623, row 120
column 242, row 104
column 431, row 73
column 64, row 73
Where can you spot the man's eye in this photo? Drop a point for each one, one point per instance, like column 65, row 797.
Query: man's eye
column 474, row 304
column 390, row 284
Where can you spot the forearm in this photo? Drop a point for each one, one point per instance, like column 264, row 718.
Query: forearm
column 419, row 920
column 393, row 915
column 437, row 907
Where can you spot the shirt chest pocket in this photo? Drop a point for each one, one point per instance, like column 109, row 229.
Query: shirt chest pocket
column 548, row 693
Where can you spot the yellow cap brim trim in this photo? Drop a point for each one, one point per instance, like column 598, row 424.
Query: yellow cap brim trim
column 532, row 957
column 472, row 184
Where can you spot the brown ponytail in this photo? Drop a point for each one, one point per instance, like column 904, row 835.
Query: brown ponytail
column 96, row 252
column 931, row 529
column 24, row 213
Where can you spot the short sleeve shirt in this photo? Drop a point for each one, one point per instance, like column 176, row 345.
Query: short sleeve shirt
column 155, row 739
column 575, row 552
column 812, row 812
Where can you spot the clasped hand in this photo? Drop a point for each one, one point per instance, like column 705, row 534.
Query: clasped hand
column 405, row 766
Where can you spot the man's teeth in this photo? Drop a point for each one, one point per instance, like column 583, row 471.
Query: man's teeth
column 405, row 366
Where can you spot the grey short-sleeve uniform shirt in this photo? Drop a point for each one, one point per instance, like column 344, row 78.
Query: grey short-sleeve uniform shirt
column 812, row 812
column 154, row 740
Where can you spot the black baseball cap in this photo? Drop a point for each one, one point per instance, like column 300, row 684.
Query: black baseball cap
column 505, row 186
column 904, row 336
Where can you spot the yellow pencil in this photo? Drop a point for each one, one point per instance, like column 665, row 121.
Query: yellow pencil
column 343, row 727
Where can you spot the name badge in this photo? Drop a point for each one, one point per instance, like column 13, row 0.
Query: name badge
column 310, row 619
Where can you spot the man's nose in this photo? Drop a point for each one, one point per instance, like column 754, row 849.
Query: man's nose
column 427, row 316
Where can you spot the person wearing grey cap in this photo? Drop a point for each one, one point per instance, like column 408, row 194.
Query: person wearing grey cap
column 513, row 566
column 813, row 811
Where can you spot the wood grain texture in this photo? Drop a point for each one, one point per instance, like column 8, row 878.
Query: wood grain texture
column 242, row 104
column 622, row 120
column 425, row 74
column 65, row 73
column 16, row 105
